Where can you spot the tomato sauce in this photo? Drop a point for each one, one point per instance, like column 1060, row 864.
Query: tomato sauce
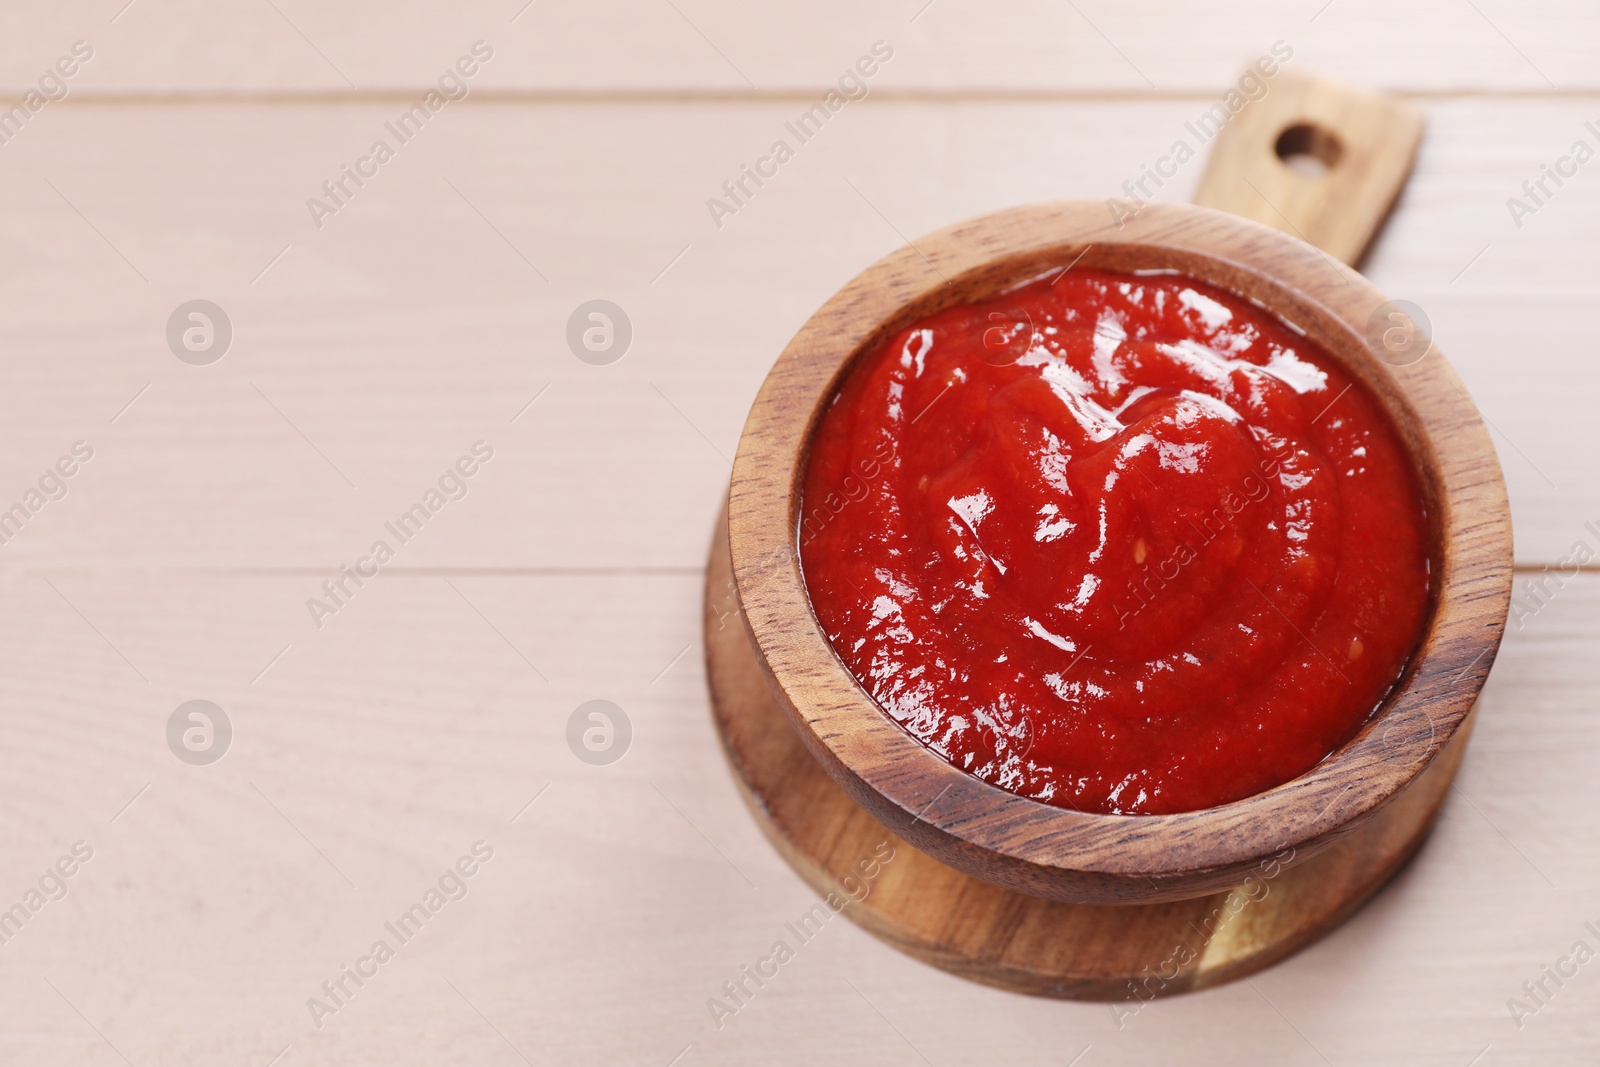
column 1118, row 543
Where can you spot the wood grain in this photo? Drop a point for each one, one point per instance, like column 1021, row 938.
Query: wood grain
column 409, row 327
column 1054, row 852
column 1364, row 144
column 1018, row 941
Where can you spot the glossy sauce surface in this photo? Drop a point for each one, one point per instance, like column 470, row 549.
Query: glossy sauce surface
column 1118, row 543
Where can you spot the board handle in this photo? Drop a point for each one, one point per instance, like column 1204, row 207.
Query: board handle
column 1316, row 159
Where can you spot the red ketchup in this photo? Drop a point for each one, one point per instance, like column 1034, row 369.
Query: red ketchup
column 1118, row 543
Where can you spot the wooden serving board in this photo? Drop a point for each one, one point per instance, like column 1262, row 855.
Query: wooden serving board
column 983, row 932
column 1106, row 952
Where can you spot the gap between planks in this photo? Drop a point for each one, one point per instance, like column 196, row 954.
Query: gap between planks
column 978, row 95
column 507, row 572
column 412, row 572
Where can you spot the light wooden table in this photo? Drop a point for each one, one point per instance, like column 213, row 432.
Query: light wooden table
column 430, row 711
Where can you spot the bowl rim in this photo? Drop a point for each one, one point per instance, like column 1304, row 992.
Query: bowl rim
column 1024, row 843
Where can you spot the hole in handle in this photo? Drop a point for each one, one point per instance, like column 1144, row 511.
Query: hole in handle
column 1309, row 150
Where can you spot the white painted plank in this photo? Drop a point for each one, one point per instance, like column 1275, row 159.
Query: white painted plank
column 380, row 749
column 1093, row 46
column 415, row 322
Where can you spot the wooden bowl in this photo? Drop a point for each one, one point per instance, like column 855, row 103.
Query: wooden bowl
column 1055, row 853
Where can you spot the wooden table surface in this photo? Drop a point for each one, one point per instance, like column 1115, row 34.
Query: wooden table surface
column 430, row 711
